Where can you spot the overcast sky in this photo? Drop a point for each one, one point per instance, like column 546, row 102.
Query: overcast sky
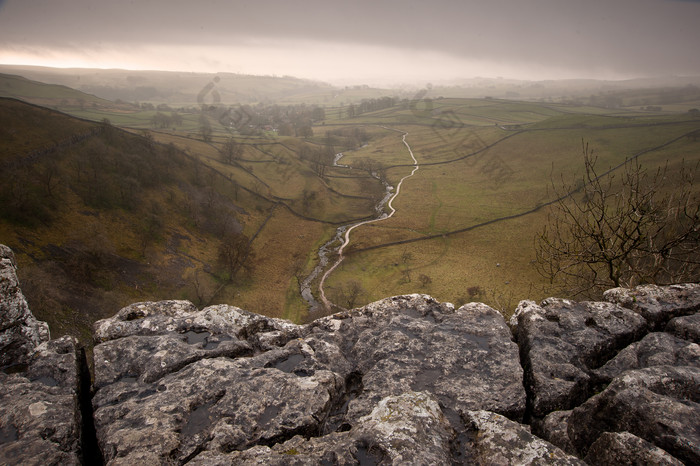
column 372, row 41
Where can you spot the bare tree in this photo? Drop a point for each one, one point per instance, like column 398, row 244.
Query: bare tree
column 205, row 128
column 621, row 230
column 350, row 294
column 424, row 280
column 235, row 254
column 231, row 151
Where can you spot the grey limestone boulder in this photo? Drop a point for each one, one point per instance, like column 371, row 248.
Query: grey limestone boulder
column 465, row 357
column 554, row 428
column 20, row 331
column 658, row 304
column 172, row 381
column 625, row 449
column 40, row 419
column 659, row 404
column 562, row 341
column 686, row 327
column 406, row 429
column 497, row 440
column 655, row 349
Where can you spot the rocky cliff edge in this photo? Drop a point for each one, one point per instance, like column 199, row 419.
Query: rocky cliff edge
column 405, row 380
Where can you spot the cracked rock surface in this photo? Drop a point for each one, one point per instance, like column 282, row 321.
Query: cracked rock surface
column 404, row 380
column 177, row 384
column 659, row 404
column 562, row 342
column 498, row 440
column 405, row 429
column 40, row 419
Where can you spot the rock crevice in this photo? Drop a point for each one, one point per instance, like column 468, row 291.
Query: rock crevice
column 405, row 380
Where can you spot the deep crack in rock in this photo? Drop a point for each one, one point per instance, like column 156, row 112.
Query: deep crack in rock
column 402, row 380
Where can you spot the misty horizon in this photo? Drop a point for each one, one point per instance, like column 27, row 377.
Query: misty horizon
column 382, row 43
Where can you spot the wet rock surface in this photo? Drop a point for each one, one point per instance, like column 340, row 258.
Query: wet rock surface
column 405, row 380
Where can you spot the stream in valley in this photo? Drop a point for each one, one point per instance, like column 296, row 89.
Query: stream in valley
column 337, row 244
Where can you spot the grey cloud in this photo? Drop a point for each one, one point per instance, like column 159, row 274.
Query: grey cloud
column 628, row 35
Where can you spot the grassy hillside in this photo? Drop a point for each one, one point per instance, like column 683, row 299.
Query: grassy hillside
column 118, row 215
column 465, row 223
column 53, row 96
column 100, row 218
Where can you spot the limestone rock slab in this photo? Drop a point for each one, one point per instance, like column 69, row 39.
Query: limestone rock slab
column 562, row 341
column 659, row 404
column 655, row 349
column 623, row 448
column 406, row 429
column 658, row 304
column 20, row 331
column 686, row 327
column 466, row 357
column 498, row 440
column 40, row 419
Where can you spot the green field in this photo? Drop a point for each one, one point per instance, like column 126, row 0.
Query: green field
column 447, row 225
column 464, row 224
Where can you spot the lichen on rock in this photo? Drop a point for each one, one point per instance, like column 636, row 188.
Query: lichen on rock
column 404, row 380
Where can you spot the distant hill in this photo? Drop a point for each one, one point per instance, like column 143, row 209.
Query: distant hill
column 52, row 95
column 174, row 88
column 184, row 89
column 629, row 92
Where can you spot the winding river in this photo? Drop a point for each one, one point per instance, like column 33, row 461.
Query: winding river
column 343, row 233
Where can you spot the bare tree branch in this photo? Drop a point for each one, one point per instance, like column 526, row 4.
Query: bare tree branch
column 621, row 229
